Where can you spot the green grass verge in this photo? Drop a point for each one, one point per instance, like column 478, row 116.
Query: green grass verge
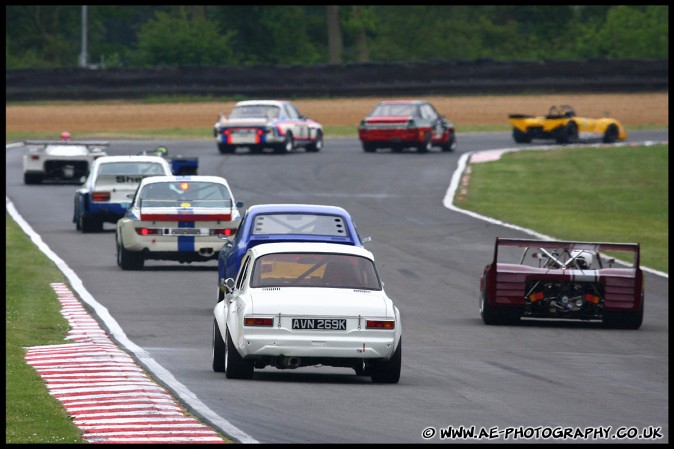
column 612, row 194
column 33, row 318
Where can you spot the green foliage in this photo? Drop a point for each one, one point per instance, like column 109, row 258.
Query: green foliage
column 179, row 41
column 39, row 36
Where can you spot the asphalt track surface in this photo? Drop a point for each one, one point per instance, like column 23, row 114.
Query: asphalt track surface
column 537, row 379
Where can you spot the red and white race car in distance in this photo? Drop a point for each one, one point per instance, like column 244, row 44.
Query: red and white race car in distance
column 403, row 124
column 65, row 160
column 176, row 218
column 563, row 280
column 297, row 304
column 260, row 124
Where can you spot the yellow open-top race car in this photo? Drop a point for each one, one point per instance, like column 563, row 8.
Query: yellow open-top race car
column 564, row 126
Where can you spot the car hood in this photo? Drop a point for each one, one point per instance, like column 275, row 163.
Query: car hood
column 320, row 301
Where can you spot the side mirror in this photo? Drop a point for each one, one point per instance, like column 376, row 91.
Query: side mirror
column 366, row 239
column 125, row 204
column 239, row 204
column 229, row 285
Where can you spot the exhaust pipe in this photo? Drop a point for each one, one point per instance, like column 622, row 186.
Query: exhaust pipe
column 290, row 363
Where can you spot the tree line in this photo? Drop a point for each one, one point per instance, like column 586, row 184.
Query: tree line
column 40, row 36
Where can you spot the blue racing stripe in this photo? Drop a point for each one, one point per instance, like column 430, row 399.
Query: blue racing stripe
column 186, row 242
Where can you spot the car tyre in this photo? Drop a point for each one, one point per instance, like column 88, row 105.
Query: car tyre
column 567, row 134
column 388, row 371
column 287, row 146
column 32, row 178
column 426, row 145
column 226, row 148
column 611, row 134
column 520, row 136
column 497, row 316
column 90, row 224
column 129, row 260
column 450, row 145
column 369, row 147
column 218, row 349
column 624, row 320
column 317, row 145
column 235, row 366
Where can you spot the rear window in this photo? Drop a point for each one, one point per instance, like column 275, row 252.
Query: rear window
column 383, row 110
column 311, row 224
column 132, row 168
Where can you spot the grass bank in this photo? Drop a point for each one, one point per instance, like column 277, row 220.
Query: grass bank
column 608, row 194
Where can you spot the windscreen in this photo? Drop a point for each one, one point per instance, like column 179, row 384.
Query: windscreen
column 185, row 194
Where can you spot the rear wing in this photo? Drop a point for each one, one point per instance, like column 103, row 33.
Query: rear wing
column 552, row 248
column 88, row 143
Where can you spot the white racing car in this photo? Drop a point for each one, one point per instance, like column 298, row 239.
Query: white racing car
column 260, row 124
column 176, row 218
column 60, row 160
column 307, row 304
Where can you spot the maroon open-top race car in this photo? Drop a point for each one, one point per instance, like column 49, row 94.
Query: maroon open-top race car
column 563, row 280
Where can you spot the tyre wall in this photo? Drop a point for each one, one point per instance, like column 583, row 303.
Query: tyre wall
column 362, row 80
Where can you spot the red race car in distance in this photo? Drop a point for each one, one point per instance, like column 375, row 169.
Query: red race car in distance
column 400, row 124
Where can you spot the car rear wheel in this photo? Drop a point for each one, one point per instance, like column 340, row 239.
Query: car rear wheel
column 218, row 349
column 497, row 316
column 226, row 148
column 369, row 148
column 235, row 366
column 90, row 224
column 128, row 260
column 388, row 371
column 567, row 134
column 611, row 134
column 32, row 178
column 451, row 144
column 427, row 144
column 318, row 144
column 287, row 146
column 520, row 136
column 624, row 320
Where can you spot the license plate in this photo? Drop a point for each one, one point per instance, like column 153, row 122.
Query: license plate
column 185, row 231
column 333, row 324
column 244, row 136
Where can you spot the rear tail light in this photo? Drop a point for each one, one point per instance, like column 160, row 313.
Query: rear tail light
column 100, row 196
column 257, row 321
column 380, row 324
column 147, row 231
column 225, row 232
column 34, row 157
column 591, row 298
column 536, row 296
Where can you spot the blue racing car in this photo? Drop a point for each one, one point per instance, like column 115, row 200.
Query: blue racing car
column 112, row 181
column 270, row 223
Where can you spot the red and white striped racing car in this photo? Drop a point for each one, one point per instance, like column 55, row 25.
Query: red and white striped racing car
column 176, row 218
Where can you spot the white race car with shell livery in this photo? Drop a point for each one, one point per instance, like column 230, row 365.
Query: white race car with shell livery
column 112, row 181
column 260, row 124
column 65, row 160
column 297, row 304
column 177, row 218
